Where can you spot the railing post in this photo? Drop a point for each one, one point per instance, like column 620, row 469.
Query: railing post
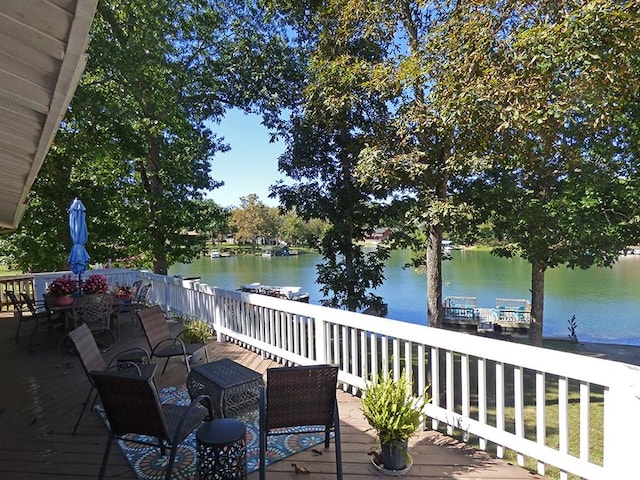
column 321, row 340
column 622, row 423
column 217, row 313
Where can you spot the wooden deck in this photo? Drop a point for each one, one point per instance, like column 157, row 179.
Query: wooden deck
column 43, row 390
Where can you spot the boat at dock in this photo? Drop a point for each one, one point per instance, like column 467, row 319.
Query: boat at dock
column 218, row 254
column 287, row 293
column 510, row 315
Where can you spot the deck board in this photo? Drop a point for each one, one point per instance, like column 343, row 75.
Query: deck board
column 43, row 390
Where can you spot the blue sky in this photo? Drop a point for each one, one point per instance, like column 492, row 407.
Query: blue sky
column 251, row 165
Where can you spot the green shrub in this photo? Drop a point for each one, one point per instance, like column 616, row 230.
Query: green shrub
column 392, row 410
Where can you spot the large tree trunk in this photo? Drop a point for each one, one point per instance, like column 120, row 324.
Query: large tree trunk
column 537, row 303
column 152, row 184
column 434, row 276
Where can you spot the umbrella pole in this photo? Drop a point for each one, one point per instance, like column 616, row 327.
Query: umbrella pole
column 79, row 292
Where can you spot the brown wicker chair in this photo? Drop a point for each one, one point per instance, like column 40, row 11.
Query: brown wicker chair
column 132, row 406
column 300, row 396
column 161, row 342
column 91, row 360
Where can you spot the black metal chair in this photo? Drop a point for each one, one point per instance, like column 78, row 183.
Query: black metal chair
column 132, row 406
column 161, row 342
column 300, row 396
column 130, row 308
column 27, row 312
column 92, row 360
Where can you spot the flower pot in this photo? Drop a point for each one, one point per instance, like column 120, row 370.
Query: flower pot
column 64, row 300
column 394, row 455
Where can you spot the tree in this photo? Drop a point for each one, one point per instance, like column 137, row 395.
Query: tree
column 431, row 50
column 217, row 219
column 564, row 182
column 503, row 88
column 296, row 231
column 328, row 129
column 253, row 220
column 135, row 129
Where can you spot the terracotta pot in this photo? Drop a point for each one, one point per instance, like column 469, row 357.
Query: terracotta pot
column 64, row 300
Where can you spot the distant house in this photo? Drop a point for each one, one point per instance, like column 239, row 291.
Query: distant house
column 380, row 235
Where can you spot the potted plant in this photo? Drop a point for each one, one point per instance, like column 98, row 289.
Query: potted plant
column 123, row 291
column 395, row 414
column 196, row 331
column 62, row 288
column 95, row 284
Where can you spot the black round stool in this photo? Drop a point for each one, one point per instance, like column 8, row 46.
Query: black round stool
column 221, row 450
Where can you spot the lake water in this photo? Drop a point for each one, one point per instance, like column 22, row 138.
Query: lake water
column 605, row 301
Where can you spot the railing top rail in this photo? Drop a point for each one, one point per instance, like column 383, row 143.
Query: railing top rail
column 564, row 364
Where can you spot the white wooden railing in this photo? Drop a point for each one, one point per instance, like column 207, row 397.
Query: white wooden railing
column 495, row 393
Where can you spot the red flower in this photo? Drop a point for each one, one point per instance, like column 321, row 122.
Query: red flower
column 64, row 285
column 96, row 283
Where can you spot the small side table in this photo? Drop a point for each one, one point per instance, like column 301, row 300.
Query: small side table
column 221, row 450
column 233, row 388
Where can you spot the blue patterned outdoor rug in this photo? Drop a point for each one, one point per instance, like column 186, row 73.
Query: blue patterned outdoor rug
column 149, row 464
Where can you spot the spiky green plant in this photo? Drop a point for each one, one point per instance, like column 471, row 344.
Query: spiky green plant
column 196, row 331
column 391, row 408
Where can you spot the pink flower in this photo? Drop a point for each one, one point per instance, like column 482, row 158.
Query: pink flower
column 64, row 285
column 96, row 283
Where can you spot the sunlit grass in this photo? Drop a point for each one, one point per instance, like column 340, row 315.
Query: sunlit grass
column 5, row 271
column 552, row 434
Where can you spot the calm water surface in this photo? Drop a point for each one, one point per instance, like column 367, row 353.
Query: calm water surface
column 604, row 301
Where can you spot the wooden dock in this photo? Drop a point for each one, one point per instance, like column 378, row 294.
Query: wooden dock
column 509, row 315
column 43, row 391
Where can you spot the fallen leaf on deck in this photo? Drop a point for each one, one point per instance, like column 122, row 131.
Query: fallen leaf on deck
column 300, row 469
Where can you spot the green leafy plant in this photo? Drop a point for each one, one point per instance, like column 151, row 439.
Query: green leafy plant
column 391, row 408
column 196, row 331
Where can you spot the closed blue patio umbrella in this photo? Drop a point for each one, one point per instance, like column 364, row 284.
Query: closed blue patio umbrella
column 78, row 258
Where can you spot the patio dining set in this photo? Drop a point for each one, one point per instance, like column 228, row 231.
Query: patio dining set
column 126, row 393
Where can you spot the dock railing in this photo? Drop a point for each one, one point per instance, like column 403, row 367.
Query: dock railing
column 497, row 395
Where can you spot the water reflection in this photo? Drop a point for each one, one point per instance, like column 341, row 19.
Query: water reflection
column 604, row 301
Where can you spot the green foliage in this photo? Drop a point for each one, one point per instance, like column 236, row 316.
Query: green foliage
column 136, row 145
column 561, row 187
column 196, row 331
column 254, row 220
column 391, row 409
column 335, row 117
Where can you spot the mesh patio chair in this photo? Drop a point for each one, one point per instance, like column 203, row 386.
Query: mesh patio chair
column 92, row 360
column 42, row 314
column 296, row 397
column 161, row 342
column 24, row 314
column 19, row 310
column 32, row 302
column 95, row 312
column 132, row 406
column 129, row 309
column 141, row 298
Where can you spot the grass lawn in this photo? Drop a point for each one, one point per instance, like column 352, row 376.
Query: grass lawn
column 5, row 272
column 596, row 412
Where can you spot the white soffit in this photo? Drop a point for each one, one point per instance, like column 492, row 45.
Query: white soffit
column 43, row 47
